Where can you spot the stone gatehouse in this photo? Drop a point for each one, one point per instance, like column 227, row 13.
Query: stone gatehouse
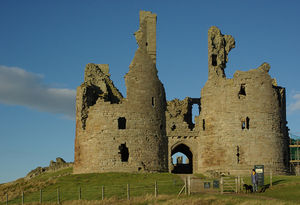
column 241, row 121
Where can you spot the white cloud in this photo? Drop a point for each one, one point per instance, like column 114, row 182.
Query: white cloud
column 19, row 87
column 294, row 106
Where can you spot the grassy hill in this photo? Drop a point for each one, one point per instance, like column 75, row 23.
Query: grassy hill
column 88, row 187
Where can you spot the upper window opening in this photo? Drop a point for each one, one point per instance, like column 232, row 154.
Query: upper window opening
column 195, row 112
column 124, row 152
column 203, row 124
column 242, row 90
column 122, row 123
column 214, row 59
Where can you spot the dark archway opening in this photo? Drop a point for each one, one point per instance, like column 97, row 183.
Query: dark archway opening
column 182, row 165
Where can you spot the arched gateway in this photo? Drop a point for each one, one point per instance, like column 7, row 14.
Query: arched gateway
column 183, row 167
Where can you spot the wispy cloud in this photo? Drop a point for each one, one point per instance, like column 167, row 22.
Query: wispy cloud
column 295, row 105
column 20, row 87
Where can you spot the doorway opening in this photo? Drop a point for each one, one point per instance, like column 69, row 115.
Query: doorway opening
column 182, row 159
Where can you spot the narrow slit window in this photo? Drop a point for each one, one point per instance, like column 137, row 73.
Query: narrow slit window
column 122, row 123
column 203, row 124
column 238, row 154
column 247, row 123
column 153, row 101
column 214, row 60
column 123, row 151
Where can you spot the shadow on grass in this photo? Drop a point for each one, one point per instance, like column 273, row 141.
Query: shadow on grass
column 267, row 186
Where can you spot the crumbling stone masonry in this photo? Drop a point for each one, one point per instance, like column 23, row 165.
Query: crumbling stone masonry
column 241, row 121
column 123, row 134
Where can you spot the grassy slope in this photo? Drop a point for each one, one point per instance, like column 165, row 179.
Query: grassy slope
column 115, row 184
column 285, row 190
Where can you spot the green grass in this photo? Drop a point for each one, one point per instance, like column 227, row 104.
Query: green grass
column 115, row 185
column 285, row 190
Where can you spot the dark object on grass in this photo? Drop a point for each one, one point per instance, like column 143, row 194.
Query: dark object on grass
column 263, row 189
column 248, row 188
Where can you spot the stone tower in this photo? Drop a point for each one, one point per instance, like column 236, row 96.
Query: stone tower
column 241, row 121
column 123, row 134
column 245, row 122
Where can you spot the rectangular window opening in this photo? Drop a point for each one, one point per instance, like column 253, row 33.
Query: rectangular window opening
column 122, row 123
column 214, row 59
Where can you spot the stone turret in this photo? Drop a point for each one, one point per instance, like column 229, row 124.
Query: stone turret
column 123, row 134
column 146, row 94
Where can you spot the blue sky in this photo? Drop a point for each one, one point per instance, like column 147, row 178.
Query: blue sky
column 45, row 45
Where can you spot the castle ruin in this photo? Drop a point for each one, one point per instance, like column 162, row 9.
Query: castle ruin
column 241, row 121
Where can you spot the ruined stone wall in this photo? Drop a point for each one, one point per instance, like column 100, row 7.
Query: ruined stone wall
column 242, row 121
column 123, row 134
column 244, row 116
column 181, row 129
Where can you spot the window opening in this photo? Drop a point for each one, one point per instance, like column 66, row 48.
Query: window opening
column 247, row 122
column 242, row 91
column 195, row 112
column 153, row 101
column 173, row 127
column 122, row 123
column 214, row 59
column 238, row 154
column 203, row 124
column 124, row 153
